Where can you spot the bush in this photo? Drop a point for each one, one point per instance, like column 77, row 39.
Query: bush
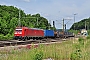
column 9, row 36
column 74, row 31
column 76, row 55
column 1, row 36
column 88, row 37
column 38, row 56
column 6, row 37
column 81, row 41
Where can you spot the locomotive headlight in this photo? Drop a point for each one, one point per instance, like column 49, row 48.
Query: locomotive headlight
column 15, row 33
column 20, row 32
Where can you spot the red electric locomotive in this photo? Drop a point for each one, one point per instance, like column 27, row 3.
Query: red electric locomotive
column 28, row 33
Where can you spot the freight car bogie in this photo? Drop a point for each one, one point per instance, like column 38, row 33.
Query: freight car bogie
column 28, row 38
column 34, row 38
column 37, row 38
column 17, row 37
column 25, row 38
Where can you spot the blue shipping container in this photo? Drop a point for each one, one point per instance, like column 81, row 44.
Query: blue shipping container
column 48, row 33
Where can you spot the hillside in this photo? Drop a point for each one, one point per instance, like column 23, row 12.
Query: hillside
column 81, row 24
column 9, row 19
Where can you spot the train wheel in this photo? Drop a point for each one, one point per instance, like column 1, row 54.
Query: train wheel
column 28, row 38
column 33, row 38
column 16, row 38
column 24, row 38
column 20, row 38
column 37, row 38
column 40, row 38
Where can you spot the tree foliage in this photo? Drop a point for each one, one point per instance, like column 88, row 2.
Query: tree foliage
column 9, row 20
column 81, row 24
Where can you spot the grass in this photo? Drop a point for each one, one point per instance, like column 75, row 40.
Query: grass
column 57, row 51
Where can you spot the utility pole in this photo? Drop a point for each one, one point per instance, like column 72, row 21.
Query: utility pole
column 65, row 28
column 74, row 21
column 19, row 23
column 85, row 24
column 74, row 26
column 63, row 25
column 49, row 23
column 53, row 25
column 37, row 21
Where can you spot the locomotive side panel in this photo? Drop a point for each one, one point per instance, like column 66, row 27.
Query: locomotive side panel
column 40, row 33
column 33, row 33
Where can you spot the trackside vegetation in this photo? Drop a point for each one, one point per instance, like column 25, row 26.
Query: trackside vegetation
column 73, row 49
column 81, row 24
column 9, row 20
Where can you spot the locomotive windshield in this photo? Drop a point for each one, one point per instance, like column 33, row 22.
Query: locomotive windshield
column 18, row 30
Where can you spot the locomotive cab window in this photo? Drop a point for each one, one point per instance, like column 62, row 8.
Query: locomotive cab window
column 18, row 30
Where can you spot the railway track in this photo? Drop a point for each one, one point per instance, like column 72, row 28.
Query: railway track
column 17, row 42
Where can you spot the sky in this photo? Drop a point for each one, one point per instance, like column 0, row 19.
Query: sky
column 54, row 10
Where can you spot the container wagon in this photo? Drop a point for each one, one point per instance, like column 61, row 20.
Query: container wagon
column 48, row 33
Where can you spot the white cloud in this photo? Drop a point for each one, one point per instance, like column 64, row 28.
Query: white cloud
column 55, row 9
column 26, row 0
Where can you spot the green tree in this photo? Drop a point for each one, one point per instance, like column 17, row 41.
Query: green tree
column 9, row 19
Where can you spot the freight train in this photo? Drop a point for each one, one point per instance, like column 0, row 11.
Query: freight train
column 23, row 33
